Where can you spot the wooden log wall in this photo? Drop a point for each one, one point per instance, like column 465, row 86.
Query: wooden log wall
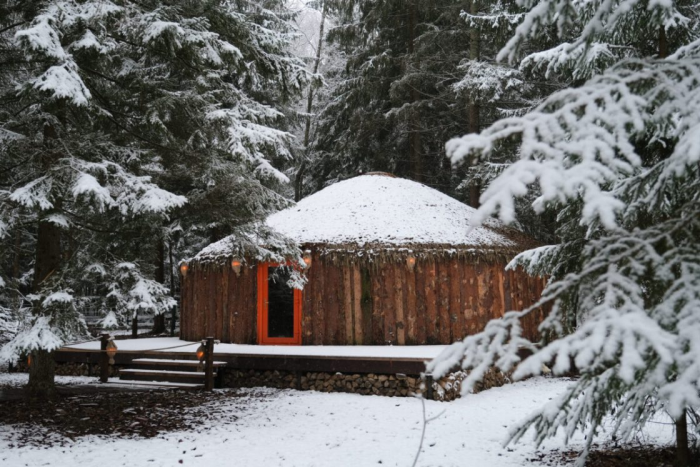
column 216, row 302
column 437, row 302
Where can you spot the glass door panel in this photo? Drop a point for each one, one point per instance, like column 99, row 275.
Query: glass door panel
column 280, row 303
column 279, row 306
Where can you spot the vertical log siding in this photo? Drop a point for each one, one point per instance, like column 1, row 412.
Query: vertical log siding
column 439, row 301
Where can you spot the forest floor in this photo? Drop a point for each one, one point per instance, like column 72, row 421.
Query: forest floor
column 273, row 427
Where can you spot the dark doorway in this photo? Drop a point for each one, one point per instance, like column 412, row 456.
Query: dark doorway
column 280, row 303
column 279, row 306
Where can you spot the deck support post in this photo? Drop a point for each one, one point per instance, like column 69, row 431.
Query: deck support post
column 429, row 386
column 104, row 358
column 209, row 364
column 173, row 321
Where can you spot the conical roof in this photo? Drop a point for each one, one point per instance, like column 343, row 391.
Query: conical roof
column 380, row 209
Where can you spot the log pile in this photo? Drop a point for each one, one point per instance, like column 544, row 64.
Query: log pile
column 392, row 385
column 449, row 387
column 75, row 369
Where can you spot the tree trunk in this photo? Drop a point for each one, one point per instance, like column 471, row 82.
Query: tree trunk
column 159, row 320
column 135, row 326
column 299, row 180
column 41, row 375
column 16, row 264
column 663, row 43
column 415, row 157
column 48, row 253
column 474, row 110
column 47, row 262
column 171, row 264
column 682, row 449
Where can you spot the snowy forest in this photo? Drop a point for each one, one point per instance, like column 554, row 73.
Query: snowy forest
column 135, row 133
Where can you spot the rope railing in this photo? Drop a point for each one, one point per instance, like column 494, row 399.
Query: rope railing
column 83, row 342
column 68, row 348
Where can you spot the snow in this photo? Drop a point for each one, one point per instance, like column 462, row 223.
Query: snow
column 376, row 209
column 87, row 184
column 291, row 428
column 425, row 352
column 21, row 379
column 109, row 321
column 40, row 336
column 63, row 81
column 34, row 194
column 41, row 36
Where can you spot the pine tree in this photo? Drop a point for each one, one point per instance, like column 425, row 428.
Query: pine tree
column 390, row 112
column 617, row 158
column 126, row 126
column 416, row 74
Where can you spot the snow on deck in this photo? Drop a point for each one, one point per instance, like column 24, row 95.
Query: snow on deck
column 422, row 352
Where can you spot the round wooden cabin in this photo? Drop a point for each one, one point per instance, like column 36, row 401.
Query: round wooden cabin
column 391, row 261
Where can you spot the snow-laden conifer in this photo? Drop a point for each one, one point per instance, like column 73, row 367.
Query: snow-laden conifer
column 128, row 126
column 618, row 159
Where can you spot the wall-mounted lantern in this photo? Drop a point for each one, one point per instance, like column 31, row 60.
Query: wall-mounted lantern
column 201, row 352
column 307, row 259
column 411, row 262
column 111, row 350
column 236, row 266
column 29, row 361
column 183, row 269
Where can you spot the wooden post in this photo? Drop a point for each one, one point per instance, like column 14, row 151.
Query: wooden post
column 429, row 386
column 209, row 365
column 682, row 451
column 104, row 359
column 173, row 320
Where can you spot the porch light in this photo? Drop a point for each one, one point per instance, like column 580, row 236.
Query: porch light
column 236, row 266
column 111, row 350
column 183, row 269
column 307, row 259
column 411, row 262
column 201, row 352
column 29, row 361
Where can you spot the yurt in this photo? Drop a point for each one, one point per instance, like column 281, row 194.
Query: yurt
column 387, row 261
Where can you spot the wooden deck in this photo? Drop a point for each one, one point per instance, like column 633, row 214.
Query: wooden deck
column 260, row 362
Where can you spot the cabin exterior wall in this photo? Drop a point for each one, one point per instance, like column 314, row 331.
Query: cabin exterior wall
column 438, row 301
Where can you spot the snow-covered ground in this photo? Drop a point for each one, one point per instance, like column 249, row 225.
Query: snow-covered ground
column 426, row 352
column 20, row 379
column 293, row 428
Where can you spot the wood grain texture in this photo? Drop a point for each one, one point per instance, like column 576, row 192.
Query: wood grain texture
column 377, row 307
column 444, row 324
column 389, row 302
column 439, row 301
column 348, row 310
column 400, row 273
column 421, row 304
column 357, row 304
column 456, row 314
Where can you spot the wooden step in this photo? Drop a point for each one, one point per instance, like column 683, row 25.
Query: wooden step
column 165, row 364
column 194, row 377
column 153, row 385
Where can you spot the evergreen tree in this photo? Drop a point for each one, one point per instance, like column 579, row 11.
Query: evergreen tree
column 126, row 126
column 416, row 74
column 617, row 158
column 390, row 111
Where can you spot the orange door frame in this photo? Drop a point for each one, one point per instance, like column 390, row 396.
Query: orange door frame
column 263, row 311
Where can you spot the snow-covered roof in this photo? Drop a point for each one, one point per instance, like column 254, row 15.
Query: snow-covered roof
column 385, row 210
column 382, row 213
